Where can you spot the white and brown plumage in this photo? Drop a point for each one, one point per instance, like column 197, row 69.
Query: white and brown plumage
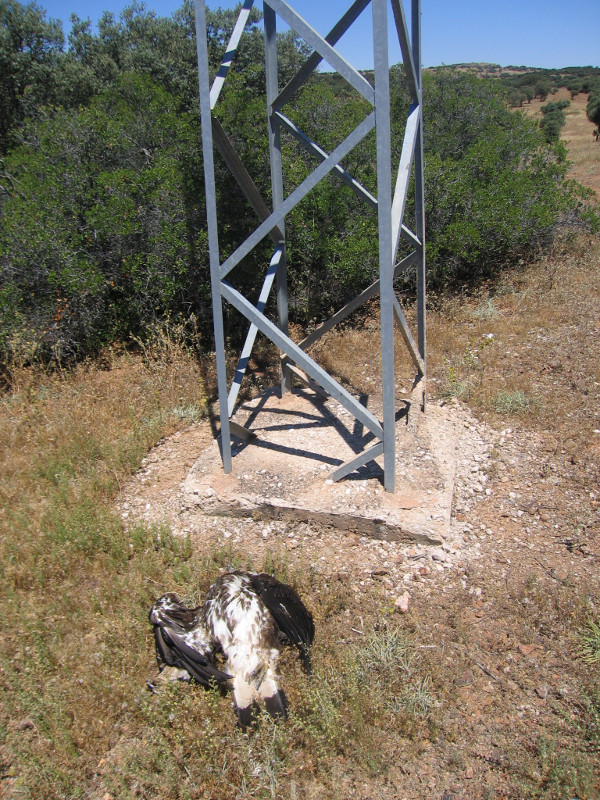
column 246, row 616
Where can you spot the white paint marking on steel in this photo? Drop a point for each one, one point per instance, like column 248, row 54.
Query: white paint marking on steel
column 230, row 53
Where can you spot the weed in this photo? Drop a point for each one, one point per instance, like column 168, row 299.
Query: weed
column 384, row 653
column 589, row 649
column 455, row 386
column 190, row 413
column 277, row 563
column 487, row 310
column 415, row 698
column 561, row 773
column 323, row 718
column 515, row 402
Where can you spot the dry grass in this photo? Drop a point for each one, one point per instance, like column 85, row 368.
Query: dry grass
column 76, row 717
column 76, row 720
column 584, row 150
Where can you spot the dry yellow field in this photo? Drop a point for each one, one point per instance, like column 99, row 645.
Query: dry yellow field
column 578, row 135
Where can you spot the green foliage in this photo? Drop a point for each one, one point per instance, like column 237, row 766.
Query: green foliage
column 593, row 105
column 575, row 86
column 553, row 119
column 542, row 88
column 494, row 192
column 589, row 649
column 529, row 93
column 512, row 402
column 105, row 233
column 516, row 98
column 29, row 48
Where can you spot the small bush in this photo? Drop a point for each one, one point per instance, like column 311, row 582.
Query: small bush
column 512, row 402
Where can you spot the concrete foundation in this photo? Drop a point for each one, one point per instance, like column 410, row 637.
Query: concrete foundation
column 287, row 448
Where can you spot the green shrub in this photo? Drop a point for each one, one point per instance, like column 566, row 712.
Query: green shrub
column 105, row 233
column 103, row 225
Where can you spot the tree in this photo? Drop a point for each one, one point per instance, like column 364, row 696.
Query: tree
column 574, row 87
column 516, row 98
column 542, row 89
column 106, row 232
column 553, row 119
column 29, row 48
column 593, row 105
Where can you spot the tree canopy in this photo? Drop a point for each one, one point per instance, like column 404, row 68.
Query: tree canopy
column 102, row 218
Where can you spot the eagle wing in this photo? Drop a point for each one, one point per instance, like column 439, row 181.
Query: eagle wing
column 293, row 619
column 179, row 640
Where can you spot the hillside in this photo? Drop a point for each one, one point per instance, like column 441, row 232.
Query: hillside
column 489, row 685
column 584, row 151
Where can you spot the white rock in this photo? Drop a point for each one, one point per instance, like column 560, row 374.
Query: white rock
column 402, row 603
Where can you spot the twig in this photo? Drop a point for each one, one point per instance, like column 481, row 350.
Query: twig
column 117, row 479
column 362, row 633
column 552, row 573
column 484, row 669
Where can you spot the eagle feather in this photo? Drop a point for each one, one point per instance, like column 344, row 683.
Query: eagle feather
column 248, row 617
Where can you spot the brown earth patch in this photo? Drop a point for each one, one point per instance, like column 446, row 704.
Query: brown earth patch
column 578, row 135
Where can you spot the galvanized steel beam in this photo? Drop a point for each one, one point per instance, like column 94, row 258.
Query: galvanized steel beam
column 408, row 337
column 253, row 330
column 299, row 193
column 213, row 231
column 407, row 56
column 404, row 172
column 270, row 21
column 384, row 213
column 389, row 206
column 236, row 35
column 318, row 43
column 420, row 203
column 361, row 459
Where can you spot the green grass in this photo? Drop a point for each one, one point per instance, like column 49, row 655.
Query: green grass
column 589, row 649
column 515, row 402
column 76, row 585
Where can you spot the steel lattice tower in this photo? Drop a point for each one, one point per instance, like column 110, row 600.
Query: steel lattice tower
column 389, row 205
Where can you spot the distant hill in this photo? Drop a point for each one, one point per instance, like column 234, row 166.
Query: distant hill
column 522, row 75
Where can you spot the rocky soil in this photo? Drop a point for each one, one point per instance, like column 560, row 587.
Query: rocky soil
column 494, row 606
column 158, row 495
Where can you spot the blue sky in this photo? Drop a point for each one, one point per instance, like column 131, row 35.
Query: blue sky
column 536, row 33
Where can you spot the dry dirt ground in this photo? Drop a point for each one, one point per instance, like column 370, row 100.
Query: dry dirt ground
column 578, row 133
column 497, row 609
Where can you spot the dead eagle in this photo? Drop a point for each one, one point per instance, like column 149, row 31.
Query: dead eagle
column 246, row 616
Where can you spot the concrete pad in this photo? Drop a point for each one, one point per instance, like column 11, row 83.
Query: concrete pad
column 281, row 470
